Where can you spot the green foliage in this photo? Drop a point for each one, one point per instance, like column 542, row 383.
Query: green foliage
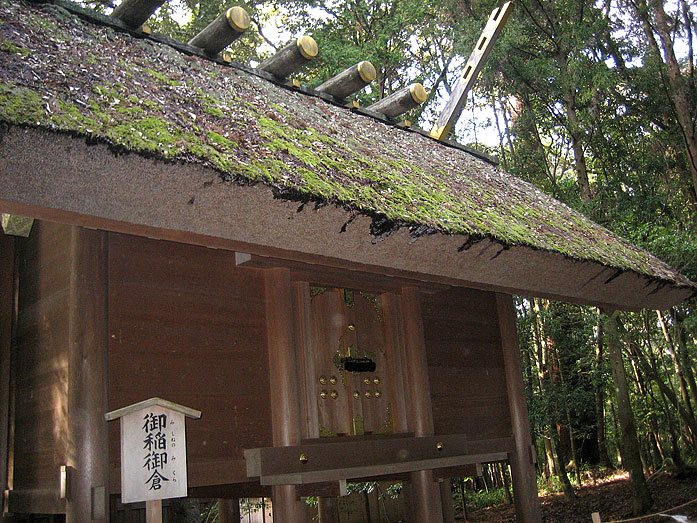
column 479, row 499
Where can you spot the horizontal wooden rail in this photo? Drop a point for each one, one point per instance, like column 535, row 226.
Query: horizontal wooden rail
column 37, row 501
column 351, row 458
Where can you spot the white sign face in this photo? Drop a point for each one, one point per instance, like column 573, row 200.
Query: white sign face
column 153, row 455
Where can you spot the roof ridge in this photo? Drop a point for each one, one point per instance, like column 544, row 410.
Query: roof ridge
column 102, row 19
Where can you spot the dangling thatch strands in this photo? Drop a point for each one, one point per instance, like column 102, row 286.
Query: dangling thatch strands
column 222, row 31
column 134, row 13
column 291, row 57
column 349, row 81
column 400, row 101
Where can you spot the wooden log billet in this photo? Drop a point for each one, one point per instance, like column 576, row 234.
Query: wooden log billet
column 349, row 81
column 134, row 13
column 291, row 57
column 400, row 101
column 222, row 31
column 453, row 108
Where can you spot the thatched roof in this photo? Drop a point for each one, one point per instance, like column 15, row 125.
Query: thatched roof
column 66, row 74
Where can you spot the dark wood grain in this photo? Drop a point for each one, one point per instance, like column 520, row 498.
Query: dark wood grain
column 41, row 341
column 465, row 361
column 187, row 325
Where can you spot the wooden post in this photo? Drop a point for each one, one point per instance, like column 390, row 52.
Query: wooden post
column 153, row 511
column 527, row 504
column 328, row 510
column 446, row 500
column 229, row 510
column 291, row 57
column 453, row 108
column 7, row 319
column 134, row 13
column 88, row 443
column 425, row 498
column 283, row 377
column 400, row 101
column 222, row 31
column 349, row 81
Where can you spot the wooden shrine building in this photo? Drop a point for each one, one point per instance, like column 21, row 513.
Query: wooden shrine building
column 331, row 290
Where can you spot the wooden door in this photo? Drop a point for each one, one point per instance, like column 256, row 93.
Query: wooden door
column 340, row 326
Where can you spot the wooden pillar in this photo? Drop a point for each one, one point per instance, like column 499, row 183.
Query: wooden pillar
column 283, row 377
column 446, row 499
column 527, row 504
column 87, row 379
column 328, row 510
column 425, row 498
column 7, row 315
column 229, row 510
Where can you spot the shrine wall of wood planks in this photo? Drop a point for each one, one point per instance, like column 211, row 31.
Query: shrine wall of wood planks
column 187, row 324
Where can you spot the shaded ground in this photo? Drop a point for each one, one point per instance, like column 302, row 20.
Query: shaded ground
column 610, row 497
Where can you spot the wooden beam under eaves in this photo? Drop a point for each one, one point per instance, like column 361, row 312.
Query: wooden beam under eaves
column 450, row 114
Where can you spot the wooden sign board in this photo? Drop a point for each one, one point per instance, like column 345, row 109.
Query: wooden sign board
column 153, row 450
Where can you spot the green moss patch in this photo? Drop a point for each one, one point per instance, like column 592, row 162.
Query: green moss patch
column 147, row 98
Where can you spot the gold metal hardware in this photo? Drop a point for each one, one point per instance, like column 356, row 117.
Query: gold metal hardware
column 323, row 394
column 376, row 380
column 303, row 458
column 439, row 446
column 334, row 394
column 356, row 394
column 323, row 380
column 351, row 327
column 366, row 381
column 332, row 380
column 378, row 393
column 368, row 394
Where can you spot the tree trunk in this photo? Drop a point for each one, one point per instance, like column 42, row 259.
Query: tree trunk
column 683, row 354
column 677, row 364
column 631, row 457
column 604, row 457
column 542, row 352
column 678, row 86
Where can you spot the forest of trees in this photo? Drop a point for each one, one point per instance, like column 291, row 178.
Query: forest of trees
column 595, row 103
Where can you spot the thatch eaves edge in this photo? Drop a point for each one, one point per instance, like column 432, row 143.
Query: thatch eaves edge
column 254, row 132
column 94, row 187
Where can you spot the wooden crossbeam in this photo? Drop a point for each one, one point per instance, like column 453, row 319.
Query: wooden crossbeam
column 365, row 457
column 450, row 114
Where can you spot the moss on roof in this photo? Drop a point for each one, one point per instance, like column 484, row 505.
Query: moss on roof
column 66, row 74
